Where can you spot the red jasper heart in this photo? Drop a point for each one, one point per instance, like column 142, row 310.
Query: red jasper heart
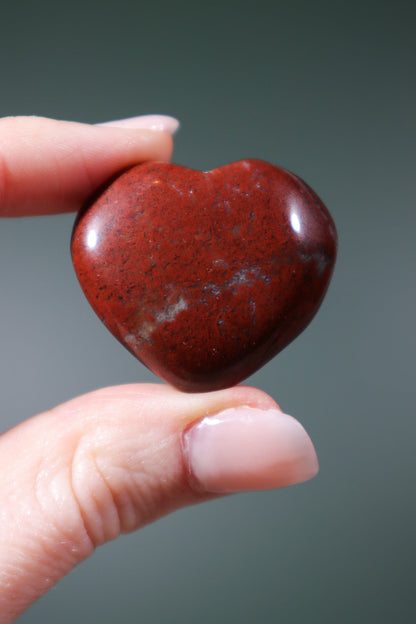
column 205, row 276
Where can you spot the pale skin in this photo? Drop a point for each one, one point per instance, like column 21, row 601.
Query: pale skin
column 116, row 459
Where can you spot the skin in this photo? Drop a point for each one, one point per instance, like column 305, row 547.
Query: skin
column 113, row 460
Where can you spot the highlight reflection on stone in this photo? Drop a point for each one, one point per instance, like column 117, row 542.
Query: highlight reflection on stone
column 205, row 276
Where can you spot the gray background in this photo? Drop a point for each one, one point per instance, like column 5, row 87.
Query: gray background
column 326, row 89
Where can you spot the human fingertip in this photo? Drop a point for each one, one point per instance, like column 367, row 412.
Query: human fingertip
column 245, row 448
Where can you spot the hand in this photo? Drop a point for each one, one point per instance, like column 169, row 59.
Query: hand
column 113, row 460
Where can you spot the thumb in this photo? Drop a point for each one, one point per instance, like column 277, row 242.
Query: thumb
column 113, row 460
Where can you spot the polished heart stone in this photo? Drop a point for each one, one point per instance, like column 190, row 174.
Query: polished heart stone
column 205, row 276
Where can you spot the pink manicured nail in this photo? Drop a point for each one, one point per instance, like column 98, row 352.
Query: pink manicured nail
column 244, row 448
column 146, row 122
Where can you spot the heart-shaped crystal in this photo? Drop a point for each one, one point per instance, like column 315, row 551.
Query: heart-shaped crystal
column 205, row 276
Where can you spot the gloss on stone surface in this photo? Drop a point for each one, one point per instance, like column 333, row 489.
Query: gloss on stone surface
column 205, row 276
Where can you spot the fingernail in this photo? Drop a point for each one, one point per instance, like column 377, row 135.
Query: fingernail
column 243, row 448
column 146, row 122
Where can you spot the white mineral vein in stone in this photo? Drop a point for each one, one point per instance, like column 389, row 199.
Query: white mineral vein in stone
column 169, row 313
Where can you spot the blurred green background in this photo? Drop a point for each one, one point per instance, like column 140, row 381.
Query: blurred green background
column 326, row 89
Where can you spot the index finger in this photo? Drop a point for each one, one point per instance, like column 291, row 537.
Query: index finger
column 49, row 166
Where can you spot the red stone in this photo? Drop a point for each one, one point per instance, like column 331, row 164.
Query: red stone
column 205, row 276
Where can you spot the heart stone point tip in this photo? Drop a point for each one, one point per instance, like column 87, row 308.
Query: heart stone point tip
column 205, row 276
